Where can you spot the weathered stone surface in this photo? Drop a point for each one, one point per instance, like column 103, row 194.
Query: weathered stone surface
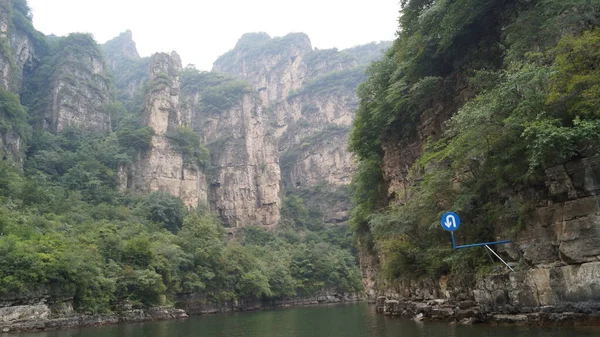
column 561, row 245
column 244, row 181
column 120, row 47
column 325, row 161
column 568, row 231
column 197, row 304
column 11, row 146
column 162, row 168
column 273, row 65
column 20, row 55
column 79, row 93
column 38, row 319
column 576, row 283
column 585, row 175
column 310, row 126
column 24, row 312
column 126, row 64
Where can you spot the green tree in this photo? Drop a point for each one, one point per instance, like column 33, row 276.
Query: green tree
column 165, row 209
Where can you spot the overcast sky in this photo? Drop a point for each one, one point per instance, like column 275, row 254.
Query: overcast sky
column 201, row 30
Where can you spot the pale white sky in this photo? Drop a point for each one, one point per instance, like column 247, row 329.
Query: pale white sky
column 202, row 30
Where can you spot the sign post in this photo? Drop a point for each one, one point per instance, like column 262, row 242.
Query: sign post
column 450, row 222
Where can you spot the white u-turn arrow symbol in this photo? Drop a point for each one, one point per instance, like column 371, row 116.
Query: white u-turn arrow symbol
column 450, row 221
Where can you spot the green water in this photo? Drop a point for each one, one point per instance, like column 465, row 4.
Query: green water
column 352, row 320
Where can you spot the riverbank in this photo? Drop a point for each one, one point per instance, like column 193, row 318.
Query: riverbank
column 198, row 305
column 40, row 316
column 470, row 312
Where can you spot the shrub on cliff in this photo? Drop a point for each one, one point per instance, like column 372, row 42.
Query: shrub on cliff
column 520, row 82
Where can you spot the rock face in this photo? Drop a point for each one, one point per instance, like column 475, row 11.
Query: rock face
column 121, row 46
column 310, row 99
column 79, row 88
column 273, row 66
column 163, row 168
column 197, row 305
column 11, row 146
column 131, row 71
column 290, row 124
column 244, row 174
column 18, row 53
column 558, row 249
column 40, row 315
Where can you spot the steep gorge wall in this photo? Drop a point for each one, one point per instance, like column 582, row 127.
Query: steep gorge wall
column 79, row 92
column 17, row 53
column 551, row 214
column 130, row 70
column 162, row 168
column 18, row 49
column 555, row 252
column 310, row 99
column 244, row 174
column 291, row 127
column 241, row 179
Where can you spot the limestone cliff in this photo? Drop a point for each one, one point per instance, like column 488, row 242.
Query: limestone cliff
column 120, row 47
column 129, row 69
column 18, row 48
column 18, row 53
column 244, row 174
column 163, row 168
column 274, row 66
column 555, row 231
column 79, row 87
column 557, row 249
column 310, row 99
column 293, row 119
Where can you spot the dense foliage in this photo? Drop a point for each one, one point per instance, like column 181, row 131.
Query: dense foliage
column 218, row 92
column 66, row 230
column 13, row 115
column 520, row 81
column 187, row 142
column 334, row 83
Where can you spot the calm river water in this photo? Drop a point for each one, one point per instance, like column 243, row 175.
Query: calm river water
column 352, row 320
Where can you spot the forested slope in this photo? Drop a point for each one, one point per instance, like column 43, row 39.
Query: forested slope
column 475, row 108
column 76, row 121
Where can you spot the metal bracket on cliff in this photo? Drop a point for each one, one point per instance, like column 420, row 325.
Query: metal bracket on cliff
column 450, row 221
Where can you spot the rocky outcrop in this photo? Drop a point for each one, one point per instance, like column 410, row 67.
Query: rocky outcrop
column 11, row 146
column 310, row 100
column 196, row 305
column 42, row 317
column 17, row 53
column 558, row 277
column 274, row 66
column 244, row 175
column 121, row 47
column 299, row 96
column 470, row 312
column 42, row 310
column 129, row 69
column 79, row 88
column 163, row 168
column 322, row 160
column 17, row 48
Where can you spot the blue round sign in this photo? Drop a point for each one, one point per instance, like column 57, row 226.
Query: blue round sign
column 450, row 221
